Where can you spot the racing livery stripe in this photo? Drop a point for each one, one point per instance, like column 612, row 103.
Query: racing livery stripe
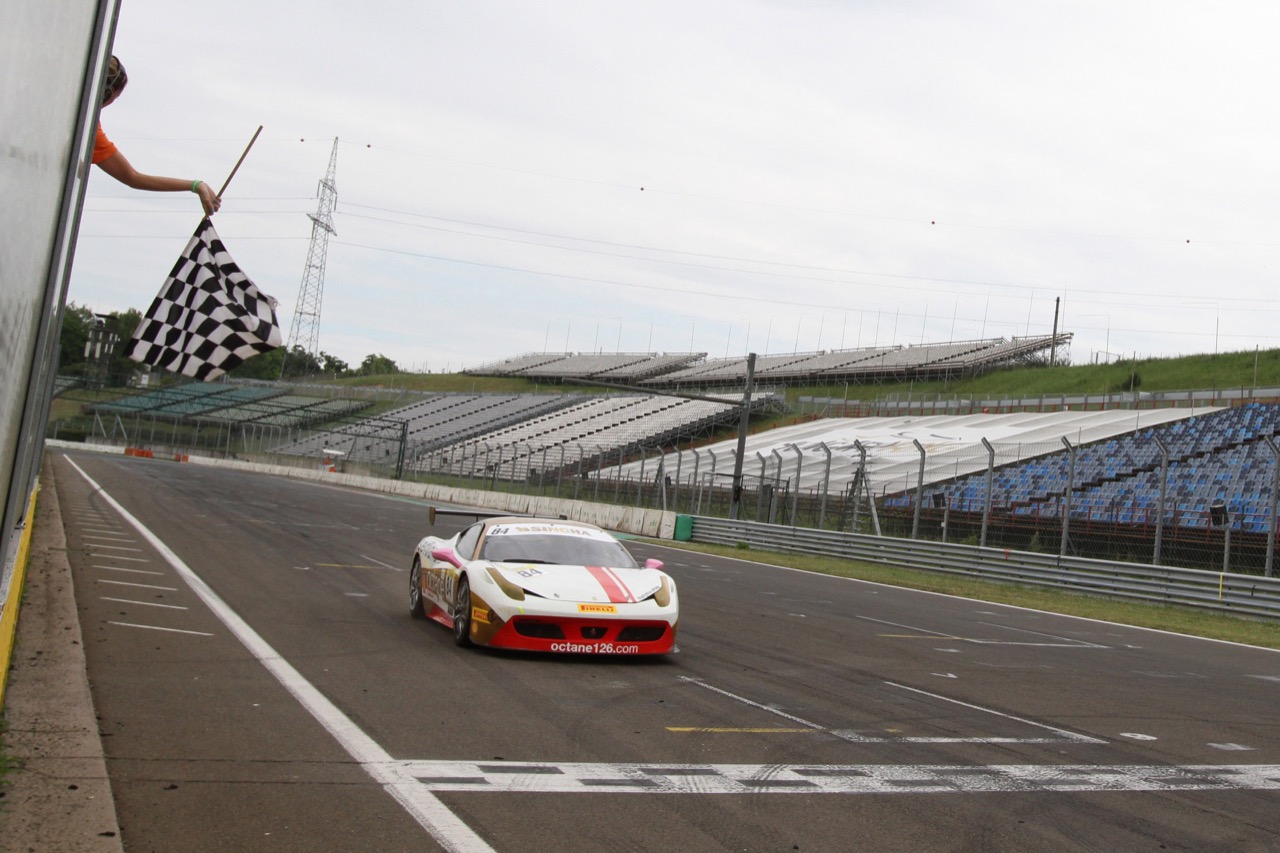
column 613, row 587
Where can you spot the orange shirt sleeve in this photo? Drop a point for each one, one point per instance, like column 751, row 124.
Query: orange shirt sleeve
column 103, row 148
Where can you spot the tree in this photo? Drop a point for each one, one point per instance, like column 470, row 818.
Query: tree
column 299, row 364
column 333, row 366
column 377, row 365
column 123, row 325
column 78, row 323
column 77, row 320
column 262, row 366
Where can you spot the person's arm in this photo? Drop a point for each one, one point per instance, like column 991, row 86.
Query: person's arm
column 119, row 167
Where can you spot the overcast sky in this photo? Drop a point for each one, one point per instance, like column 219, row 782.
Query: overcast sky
column 720, row 176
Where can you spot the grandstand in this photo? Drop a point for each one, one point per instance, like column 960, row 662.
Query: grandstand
column 613, row 367
column 226, row 403
column 583, row 435
column 1218, row 455
column 862, row 366
column 798, row 454
column 869, row 364
column 429, row 424
column 517, row 364
column 192, row 398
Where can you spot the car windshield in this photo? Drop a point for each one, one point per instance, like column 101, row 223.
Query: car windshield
column 558, row 549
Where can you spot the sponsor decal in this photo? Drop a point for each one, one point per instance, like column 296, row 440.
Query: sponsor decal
column 596, row 648
column 597, row 608
column 479, row 614
column 545, row 528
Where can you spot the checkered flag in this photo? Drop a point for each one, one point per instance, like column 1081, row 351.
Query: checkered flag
column 208, row 317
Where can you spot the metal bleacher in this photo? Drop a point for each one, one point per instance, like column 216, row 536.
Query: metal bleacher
column 192, row 397
column 865, row 364
column 514, row 365
column 427, row 424
column 1221, row 455
column 592, row 429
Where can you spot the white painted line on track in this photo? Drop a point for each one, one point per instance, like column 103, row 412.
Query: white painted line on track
column 448, row 830
column 131, row 571
column 1075, row 737
column 145, row 603
column 159, row 628
column 1060, row 641
column 381, row 563
column 570, row 778
column 93, row 547
column 123, row 559
column 108, row 538
column 817, row 727
column 925, row 633
column 138, row 585
column 855, row 737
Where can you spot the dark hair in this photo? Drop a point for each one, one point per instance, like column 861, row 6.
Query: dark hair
column 117, row 79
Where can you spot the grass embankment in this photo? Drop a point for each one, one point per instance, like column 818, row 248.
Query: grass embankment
column 1179, row 620
column 1184, row 373
column 1193, row 372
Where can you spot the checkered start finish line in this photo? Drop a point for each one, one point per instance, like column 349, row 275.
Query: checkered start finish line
column 208, row 317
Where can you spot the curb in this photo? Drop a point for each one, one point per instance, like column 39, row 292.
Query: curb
column 59, row 796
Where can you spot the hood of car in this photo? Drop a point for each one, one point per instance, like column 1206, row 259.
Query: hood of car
column 582, row 583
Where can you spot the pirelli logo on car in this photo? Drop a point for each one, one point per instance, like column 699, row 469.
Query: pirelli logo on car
column 597, row 608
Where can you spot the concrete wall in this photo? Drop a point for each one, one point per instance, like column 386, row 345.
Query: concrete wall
column 54, row 52
column 654, row 523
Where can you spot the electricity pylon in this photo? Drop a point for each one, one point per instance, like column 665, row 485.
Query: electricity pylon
column 305, row 332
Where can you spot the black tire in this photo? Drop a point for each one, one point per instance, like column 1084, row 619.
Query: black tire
column 462, row 613
column 416, row 608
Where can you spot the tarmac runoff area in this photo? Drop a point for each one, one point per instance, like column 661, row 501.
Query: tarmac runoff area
column 58, row 798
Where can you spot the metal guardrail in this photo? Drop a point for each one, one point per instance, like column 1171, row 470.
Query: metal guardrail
column 1242, row 595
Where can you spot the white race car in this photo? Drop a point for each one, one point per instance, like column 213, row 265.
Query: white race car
column 544, row 584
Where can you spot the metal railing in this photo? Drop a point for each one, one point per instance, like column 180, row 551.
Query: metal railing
column 1242, row 595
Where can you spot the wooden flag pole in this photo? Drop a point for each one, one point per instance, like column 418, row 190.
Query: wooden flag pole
column 241, row 160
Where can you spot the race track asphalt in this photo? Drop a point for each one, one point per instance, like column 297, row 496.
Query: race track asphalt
column 260, row 685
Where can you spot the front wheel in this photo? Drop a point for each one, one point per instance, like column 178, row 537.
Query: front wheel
column 416, row 609
column 462, row 613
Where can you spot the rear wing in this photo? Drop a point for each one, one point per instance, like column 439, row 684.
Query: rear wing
column 432, row 512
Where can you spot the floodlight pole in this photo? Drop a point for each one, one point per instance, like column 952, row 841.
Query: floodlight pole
column 1066, row 495
column 735, row 503
column 986, row 508
column 1164, row 486
column 915, row 520
column 1275, row 487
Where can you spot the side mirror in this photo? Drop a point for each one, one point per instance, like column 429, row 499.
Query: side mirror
column 446, row 555
column 651, row 563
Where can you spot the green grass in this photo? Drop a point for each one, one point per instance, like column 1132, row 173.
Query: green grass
column 1179, row 620
column 1184, row 373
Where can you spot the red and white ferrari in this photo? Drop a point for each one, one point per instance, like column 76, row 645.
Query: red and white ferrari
column 544, row 584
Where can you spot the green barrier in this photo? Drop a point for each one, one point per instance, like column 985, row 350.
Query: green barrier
column 684, row 528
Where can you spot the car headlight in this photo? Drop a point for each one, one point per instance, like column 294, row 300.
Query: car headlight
column 512, row 591
column 663, row 596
